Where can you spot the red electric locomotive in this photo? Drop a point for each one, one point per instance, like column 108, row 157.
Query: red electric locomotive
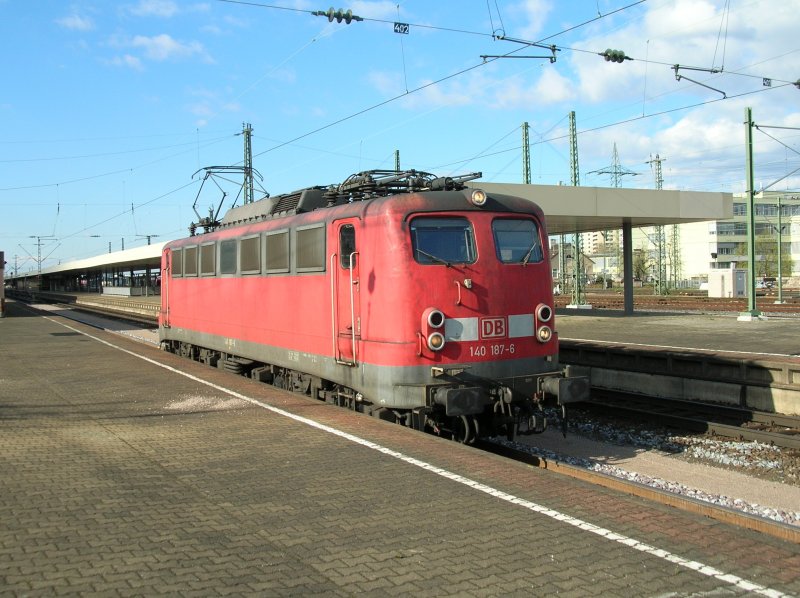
column 410, row 297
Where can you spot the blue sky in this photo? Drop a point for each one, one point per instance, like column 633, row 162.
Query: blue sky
column 109, row 108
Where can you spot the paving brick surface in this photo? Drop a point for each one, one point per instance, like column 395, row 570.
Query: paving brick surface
column 120, row 477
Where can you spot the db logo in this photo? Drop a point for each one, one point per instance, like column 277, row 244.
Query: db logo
column 493, row 327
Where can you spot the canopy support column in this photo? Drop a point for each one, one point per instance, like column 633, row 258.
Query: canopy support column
column 627, row 260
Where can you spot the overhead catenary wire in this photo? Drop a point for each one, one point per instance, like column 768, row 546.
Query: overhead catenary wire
column 421, row 87
column 113, row 172
column 475, row 66
column 619, row 122
column 125, row 212
column 389, row 100
column 100, row 154
column 403, row 55
column 628, row 120
column 499, row 17
column 366, row 19
column 760, row 127
column 724, row 20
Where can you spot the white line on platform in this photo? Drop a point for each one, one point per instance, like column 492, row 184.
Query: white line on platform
column 706, row 570
column 627, row 344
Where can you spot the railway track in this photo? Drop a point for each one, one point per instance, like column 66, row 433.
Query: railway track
column 779, row 530
column 717, row 420
column 133, row 310
column 642, row 302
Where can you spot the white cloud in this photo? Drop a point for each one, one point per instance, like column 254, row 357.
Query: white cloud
column 236, row 22
column 76, row 23
column 550, row 88
column 440, row 95
column 703, row 144
column 155, row 8
column 526, row 19
column 479, row 88
column 208, row 104
column 157, row 48
column 691, row 33
column 126, row 60
column 201, row 109
column 164, row 47
column 388, row 84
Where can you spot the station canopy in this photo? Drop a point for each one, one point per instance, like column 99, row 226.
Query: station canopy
column 571, row 209
column 138, row 258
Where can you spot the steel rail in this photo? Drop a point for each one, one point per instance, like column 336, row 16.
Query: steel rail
column 776, row 529
column 720, row 420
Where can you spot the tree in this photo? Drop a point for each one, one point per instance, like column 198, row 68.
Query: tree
column 767, row 257
column 641, row 263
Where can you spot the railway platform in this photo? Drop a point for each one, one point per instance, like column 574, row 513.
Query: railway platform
column 692, row 356
column 128, row 471
column 143, row 308
column 775, row 337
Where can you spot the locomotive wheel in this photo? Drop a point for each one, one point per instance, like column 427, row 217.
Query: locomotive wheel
column 186, row 350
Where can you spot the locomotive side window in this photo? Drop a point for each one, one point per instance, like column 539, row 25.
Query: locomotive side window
column 207, row 267
column 190, row 261
column 250, row 255
column 227, row 257
column 517, row 241
column 277, row 251
column 310, row 249
column 177, row 262
column 443, row 241
column 347, row 245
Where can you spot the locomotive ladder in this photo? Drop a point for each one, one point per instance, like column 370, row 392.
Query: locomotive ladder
column 335, row 312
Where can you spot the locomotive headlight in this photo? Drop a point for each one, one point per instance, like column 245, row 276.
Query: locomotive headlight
column 478, row 197
column 544, row 313
column 544, row 334
column 431, row 318
column 435, row 318
column 435, row 341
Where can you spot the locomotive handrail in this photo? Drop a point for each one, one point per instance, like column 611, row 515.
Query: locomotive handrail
column 166, row 273
column 334, row 312
column 333, row 307
column 352, row 308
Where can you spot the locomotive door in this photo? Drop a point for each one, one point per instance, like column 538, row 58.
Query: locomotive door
column 166, row 277
column 346, row 295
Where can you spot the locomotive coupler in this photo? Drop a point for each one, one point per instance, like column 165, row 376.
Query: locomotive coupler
column 461, row 400
column 567, row 389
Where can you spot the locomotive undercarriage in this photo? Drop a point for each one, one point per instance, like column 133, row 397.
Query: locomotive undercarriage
column 463, row 408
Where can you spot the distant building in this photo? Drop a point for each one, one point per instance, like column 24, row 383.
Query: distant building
column 727, row 242
column 587, row 264
column 708, row 246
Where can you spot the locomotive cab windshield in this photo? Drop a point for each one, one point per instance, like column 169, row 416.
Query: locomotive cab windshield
column 443, row 240
column 517, row 241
